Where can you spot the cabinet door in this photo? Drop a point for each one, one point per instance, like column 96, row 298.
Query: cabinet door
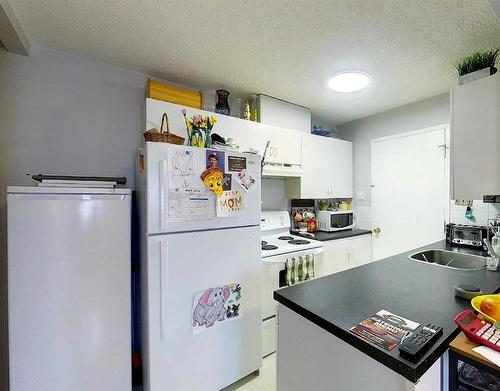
column 317, row 168
column 326, row 167
column 475, row 138
column 286, row 147
column 334, row 259
column 250, row 136
column 341, row 167
column 359, row 250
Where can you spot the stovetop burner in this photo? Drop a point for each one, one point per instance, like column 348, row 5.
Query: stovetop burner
column 263, row 242
column 269, row 247
column 285, row 238
column 299, row 241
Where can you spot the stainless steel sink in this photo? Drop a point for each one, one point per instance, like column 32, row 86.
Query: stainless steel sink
column 451, row 259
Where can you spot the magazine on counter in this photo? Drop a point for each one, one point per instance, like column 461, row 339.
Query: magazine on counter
column 384, row 329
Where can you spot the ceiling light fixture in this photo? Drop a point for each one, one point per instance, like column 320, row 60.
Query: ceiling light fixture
column 350, row 81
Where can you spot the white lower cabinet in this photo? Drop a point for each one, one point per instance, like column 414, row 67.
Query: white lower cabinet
column 343, row 254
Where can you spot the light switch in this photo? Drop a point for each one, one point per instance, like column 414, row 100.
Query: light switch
column 360, row 195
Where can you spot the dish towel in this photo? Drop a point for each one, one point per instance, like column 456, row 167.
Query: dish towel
column 299, row 269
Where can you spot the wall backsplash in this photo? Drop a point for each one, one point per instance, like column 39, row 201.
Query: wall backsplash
column 481, row 212
column 273, row 194
column 456, row 215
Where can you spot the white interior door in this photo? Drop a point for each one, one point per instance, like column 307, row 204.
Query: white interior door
column 409, row 190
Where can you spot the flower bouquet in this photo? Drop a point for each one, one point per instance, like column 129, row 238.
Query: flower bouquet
column 199, row 129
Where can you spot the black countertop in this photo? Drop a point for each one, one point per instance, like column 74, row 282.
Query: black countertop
column 325, row 236
column 415, row 290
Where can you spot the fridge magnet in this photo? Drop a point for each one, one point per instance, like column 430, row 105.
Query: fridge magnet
column 226, row 182
column 229, row 203
column 245, row 179
column 212, row 178
column 182, row 169
column 215, row 305
column 215, row 159
column 236, row 163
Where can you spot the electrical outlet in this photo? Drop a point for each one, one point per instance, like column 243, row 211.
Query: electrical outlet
column 360, row 195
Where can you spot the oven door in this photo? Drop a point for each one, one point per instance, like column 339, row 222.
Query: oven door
column 273, row 267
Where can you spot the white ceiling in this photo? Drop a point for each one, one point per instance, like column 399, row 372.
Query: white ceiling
column 286, row 49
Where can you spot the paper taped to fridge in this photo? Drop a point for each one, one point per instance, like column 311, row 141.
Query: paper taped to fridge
column 215, row 305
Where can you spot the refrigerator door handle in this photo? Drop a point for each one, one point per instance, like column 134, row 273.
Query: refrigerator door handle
column 163, row 196
column 163, row 289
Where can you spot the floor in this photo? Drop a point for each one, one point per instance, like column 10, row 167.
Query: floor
column 265, row 381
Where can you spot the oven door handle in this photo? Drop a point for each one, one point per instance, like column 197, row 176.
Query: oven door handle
column 283, row 257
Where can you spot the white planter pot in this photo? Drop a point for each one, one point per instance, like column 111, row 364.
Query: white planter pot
column 485, row 72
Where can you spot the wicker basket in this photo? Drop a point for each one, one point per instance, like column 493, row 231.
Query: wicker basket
column 164, row 136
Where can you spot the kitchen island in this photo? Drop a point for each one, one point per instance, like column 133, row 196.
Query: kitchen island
column 316, row 350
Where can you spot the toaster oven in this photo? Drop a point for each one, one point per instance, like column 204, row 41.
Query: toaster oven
column 338, row 220
column 468, row 235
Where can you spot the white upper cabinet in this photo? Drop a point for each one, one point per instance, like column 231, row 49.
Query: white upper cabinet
column 284, row 147
column 326, row 169
column 475, row 138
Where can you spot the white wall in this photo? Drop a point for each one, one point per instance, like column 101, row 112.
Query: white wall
column 61, row 113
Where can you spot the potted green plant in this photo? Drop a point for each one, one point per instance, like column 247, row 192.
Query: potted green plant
column 477, row 65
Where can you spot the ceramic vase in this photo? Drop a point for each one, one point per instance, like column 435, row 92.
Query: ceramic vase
column 222, row 106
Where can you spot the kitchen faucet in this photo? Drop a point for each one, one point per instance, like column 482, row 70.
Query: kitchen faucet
column 493, row 262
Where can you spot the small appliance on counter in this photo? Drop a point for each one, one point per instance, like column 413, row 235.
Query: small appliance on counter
column 335, row 220
column 466, row 235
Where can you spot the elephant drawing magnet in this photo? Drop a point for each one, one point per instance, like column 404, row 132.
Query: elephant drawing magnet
column 215, row 305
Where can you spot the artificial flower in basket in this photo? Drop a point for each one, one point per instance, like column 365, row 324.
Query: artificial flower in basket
column 199, row 129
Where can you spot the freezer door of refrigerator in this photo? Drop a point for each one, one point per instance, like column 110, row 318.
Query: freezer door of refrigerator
column 172, row 170
column 180, row 266
column 69, row 292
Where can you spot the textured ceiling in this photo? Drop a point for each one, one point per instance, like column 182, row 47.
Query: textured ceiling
column 286, row 49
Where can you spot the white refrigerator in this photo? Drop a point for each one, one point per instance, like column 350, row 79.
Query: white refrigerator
column 200, row 266
column 69, row 289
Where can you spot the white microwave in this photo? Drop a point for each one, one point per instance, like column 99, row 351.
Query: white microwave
column 338, row 220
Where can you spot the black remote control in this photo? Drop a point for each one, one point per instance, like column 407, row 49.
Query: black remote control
column 419, row 342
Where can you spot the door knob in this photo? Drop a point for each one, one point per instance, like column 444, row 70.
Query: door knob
column 376, row 230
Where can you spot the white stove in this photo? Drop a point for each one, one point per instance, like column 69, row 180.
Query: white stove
column 277, row 246
column 276, row 237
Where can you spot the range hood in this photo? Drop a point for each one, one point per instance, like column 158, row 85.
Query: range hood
column 491, row 199
column 279, row 170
